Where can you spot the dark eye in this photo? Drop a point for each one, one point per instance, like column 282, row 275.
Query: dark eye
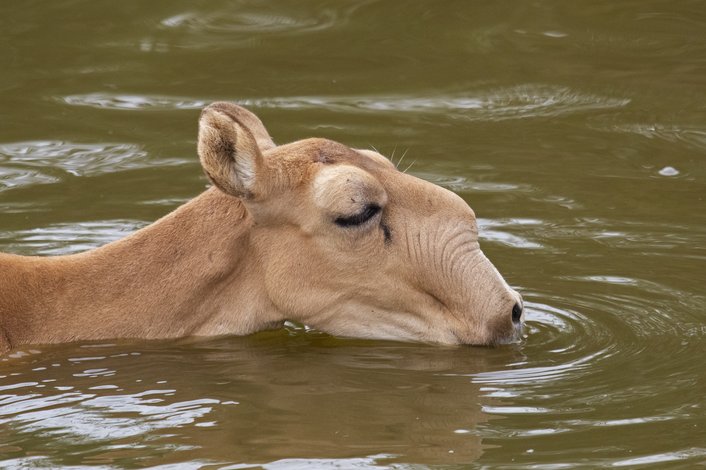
column 366, row 214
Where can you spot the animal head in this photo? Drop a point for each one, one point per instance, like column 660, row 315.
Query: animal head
column 351, row 246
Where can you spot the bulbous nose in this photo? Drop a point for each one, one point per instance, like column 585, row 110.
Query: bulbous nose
column 516, row 313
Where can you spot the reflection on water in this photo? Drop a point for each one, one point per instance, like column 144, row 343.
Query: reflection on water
column 64, row 239
column 687, row 135
column 26, row 163
column 488, row 105
column 287, row 393
column 576, row 134
column 519, row 102
column 491, row 230
column 134, row 102
column 239, row 20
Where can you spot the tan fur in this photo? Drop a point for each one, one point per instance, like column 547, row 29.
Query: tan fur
column 263, row 246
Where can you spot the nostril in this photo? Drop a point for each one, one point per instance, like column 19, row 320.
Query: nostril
column 516, row 313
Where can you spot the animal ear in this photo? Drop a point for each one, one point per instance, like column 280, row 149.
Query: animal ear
column 229, row 152
column 247, row 119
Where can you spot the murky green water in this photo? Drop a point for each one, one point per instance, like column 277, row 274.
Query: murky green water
column 576, row 130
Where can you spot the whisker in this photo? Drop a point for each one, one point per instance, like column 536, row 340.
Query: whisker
column 410, row 166
column 402, row 157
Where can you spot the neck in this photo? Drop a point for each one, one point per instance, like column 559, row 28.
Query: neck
column 190, row 273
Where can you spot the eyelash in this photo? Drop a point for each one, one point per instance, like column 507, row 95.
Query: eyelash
column 370, row 211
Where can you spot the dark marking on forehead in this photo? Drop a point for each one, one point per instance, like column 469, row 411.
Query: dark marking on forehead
column 322, row 157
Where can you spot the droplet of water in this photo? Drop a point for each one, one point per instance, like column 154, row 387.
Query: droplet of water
column 668, row 171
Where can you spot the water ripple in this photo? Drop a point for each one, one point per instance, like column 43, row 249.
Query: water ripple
column 47, row 161
column 516, row 102
column 12, row 176
column 548, row 329
column 691, row 453
column 96, row 418
column 133, row 102
column 494, row 230
column 458, row 183
column 688, row 135
column 68, row 238
column 242, row 21
column 372, row 462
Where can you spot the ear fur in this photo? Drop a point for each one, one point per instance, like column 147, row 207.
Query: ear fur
column 247, row 119
column 229, row 152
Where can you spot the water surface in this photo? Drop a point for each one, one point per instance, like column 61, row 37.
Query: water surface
column 576, row 131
